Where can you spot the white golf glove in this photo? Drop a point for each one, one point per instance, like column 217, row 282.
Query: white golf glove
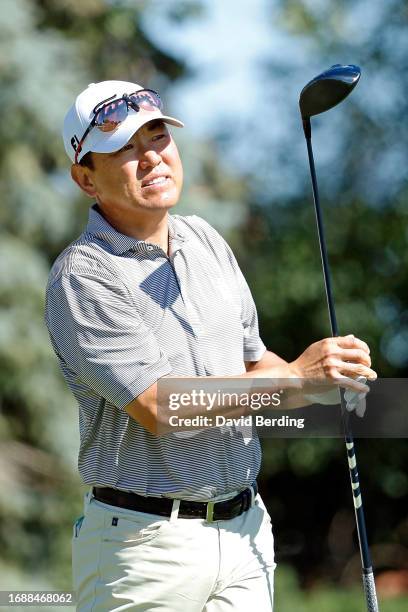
column 354, row 400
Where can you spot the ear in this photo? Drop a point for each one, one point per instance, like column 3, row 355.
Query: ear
column 84, row 179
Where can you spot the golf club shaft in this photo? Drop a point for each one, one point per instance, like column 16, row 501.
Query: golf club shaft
column 368, row 576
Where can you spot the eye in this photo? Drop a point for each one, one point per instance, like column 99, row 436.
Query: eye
column 126, row 147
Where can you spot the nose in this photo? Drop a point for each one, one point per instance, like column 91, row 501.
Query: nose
column 149, row 159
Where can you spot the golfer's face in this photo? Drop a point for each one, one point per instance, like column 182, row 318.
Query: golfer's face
column 145, row 174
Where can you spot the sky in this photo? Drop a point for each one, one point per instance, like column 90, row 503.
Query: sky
column 223, row 52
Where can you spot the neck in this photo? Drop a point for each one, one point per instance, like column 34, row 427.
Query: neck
column 152, row 228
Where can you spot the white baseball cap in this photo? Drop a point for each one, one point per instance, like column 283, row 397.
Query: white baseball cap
column 81, row 114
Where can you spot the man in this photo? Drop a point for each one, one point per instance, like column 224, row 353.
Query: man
column 172, row 521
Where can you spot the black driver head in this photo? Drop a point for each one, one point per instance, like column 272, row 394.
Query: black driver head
column 328, row 89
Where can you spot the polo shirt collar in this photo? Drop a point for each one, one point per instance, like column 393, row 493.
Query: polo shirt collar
column 120, row 243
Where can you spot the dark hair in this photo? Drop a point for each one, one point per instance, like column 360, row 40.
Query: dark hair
column 87, row 161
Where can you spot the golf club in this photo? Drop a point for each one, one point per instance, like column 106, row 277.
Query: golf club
column 318, row 96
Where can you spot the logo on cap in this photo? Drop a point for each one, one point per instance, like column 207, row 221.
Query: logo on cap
column 74, row 142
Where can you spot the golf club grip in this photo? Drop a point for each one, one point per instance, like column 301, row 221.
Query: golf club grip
column 369, row 590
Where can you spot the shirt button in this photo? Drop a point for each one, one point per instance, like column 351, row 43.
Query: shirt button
column 150, row 248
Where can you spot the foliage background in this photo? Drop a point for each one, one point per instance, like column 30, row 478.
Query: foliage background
column 246, row 172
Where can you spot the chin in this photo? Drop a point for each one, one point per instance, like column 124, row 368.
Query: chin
column 163, row 203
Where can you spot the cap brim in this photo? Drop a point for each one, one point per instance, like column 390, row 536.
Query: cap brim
column 109, row 142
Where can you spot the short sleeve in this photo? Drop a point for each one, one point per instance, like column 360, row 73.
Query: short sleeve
column 254, row 348
column 96, row 330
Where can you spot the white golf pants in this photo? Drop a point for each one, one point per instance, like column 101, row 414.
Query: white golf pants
column 127, row 560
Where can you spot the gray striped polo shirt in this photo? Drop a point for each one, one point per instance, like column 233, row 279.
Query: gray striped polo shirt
column 122, row 314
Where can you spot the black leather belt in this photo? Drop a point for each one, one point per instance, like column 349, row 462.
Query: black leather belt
column 211, row 511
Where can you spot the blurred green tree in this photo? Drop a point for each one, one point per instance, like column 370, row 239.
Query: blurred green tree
column 50, row 50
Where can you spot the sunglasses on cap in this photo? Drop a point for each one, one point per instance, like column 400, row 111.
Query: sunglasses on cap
column 110, row 113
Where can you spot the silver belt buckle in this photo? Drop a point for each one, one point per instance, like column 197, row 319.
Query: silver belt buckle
column 210, row 512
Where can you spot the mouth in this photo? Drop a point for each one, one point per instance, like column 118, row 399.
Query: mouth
column 156, row 182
